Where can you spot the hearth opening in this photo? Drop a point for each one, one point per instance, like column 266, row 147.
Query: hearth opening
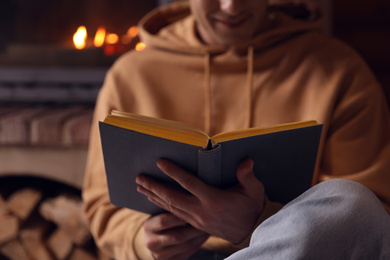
column 68, row 32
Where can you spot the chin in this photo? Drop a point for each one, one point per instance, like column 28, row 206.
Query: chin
column 233, row 38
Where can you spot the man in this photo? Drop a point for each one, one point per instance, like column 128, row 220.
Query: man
column 230, row 64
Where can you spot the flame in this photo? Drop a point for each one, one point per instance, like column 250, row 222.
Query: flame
column 99, row 37
column 80, row 37
column 132, row 31
column 112, row 38
column 111, row 43
column 140, row 46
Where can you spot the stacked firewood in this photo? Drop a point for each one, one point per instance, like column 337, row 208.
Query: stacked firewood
column 33, row 227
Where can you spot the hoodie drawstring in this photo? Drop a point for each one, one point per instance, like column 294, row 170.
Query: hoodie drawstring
column 248, row 87
column 207, row 124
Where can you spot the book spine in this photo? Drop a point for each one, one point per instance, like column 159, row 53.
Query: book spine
column 209, row 166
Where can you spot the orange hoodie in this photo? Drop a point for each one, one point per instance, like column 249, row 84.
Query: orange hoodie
column 289, row 73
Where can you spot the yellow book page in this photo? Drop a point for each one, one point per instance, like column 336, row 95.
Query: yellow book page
column 184, row 133
column 230, row 135
column 171, row 130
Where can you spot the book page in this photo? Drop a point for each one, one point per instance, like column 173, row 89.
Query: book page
column 230, row 135
column 168, row 129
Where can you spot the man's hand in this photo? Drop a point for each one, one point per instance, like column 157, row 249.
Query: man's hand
column 230, row 214
column 169, row 237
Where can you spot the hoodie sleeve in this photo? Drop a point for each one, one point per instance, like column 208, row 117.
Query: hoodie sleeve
column 117, row 231
column 357, row 145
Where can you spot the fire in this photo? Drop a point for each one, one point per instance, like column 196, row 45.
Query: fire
column 112, row 38
column 110, row 43
column 80, row 37
column 132, row 31
column 140, row 46
column 100, row 37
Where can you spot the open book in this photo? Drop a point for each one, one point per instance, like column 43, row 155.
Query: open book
column 284, row 156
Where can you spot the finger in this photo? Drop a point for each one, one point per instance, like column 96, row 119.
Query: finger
column 182, row 250
column 176, row 202
column 179, row 203
column 163, row 222
column 193, row 246
column 163, row 239
column 247, row 179
column 157, row 199
column 188, row 181
column 179, row 235
column 172, row 208
column 151, row 188
column 244, row 171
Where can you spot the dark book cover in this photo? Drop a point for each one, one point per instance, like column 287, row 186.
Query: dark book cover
column 284, row 162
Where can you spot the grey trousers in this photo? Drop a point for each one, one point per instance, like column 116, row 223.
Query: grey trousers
column 336, row 219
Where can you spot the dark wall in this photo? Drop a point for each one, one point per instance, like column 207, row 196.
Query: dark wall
column 365, row 25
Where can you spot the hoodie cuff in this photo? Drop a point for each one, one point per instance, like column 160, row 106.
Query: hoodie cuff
column 270, row 208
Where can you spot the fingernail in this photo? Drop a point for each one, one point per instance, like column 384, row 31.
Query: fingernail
column 161, row 164
column 139, row 180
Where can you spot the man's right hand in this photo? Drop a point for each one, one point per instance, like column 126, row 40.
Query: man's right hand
column 170, row 238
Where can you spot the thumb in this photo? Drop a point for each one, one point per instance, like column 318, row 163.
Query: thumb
column 247, row 179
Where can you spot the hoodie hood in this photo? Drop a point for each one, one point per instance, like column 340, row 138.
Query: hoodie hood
column 173, row 28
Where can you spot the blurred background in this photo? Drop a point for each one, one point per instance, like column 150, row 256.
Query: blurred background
column 53, row 58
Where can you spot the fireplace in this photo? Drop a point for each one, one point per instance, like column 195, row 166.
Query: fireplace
column 41, row 33
column 50, row 73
